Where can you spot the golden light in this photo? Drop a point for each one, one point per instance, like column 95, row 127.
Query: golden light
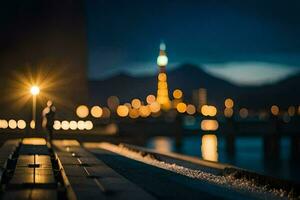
column 134, row 113
column 34, row 141
column 162, row 77
column 73, row 125
column 57, row 125
column 229, row 103
column 162, row 60
column 122, row 111
column 34, row 90
column 88, row 125
column 12, row 124
column 150, row 98
column 181, row 107
column 144, row 111
column 275, row 110
column 298, row 110
column 81, row 125
column 190, row 109
column 32, row 124
column 96, row 111
column 3, row 124
column 207, row 110
column 21, row 124
column 177, row 94
column 209, row 147
column 154, row 107
column 65, row 125
column 209, row 125
column 82, row 111
column 244, row 112
column 291, row 111
column 136, row 103
column 228, row 112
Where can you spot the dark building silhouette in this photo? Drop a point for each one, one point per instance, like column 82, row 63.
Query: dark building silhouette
column 42, row 42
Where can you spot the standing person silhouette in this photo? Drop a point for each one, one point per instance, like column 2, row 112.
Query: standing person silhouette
column 48, row 119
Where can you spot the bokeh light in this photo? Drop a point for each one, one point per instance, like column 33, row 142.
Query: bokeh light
column 65, row 125
column 82, row 111
column 122, row 111
column 57, row 125
column 96, row 111
column 209, row 125
column 136, row 103
column 73, row 125
column 190, row 109
column 207, row 110
column 12, row 124
column 209, row 147
column 177, row 94
column 181, row 107
column 144, row 111
column 21, row 124
column 150, row 99
column 229, row 103
column 275, row 110
column 88, row 125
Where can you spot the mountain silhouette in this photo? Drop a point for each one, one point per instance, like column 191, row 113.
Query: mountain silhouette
column 189, row 77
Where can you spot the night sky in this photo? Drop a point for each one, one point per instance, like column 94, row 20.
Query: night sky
column 247, row 42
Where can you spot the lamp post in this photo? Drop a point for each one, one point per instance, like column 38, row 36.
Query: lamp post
column 34, row 90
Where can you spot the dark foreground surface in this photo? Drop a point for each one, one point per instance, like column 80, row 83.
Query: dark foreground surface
column 33, row 169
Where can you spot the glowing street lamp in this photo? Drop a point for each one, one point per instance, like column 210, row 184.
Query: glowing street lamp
column 34, row 90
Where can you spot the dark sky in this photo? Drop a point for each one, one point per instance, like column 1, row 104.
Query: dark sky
column 244, row 37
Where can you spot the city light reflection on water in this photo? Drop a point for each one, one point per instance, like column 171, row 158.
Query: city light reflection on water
column 249, row 153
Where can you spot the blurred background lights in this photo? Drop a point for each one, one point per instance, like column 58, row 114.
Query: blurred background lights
column 73, row 125
column 136, row 103
column 12, row 124
column 3, row 124
column 150, row 99
column 122, row 111
column 275, row 110
column 207, row 110
column 82, row 111
column 181, row 107
column 96, row 111
column 228, row 112
column 88, row 125
column 81, row 125
column 177, row 94
column 144, row 111
column 229, row 103
column 154, row 107
column 291, row 111
column 65, row 125
column 57, row 125
column 21, row 124
column 190, row 109
column 209, row 147
column 209, row 125
column 32, row 124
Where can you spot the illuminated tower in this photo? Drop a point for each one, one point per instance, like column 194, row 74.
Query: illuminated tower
column 162, row 85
